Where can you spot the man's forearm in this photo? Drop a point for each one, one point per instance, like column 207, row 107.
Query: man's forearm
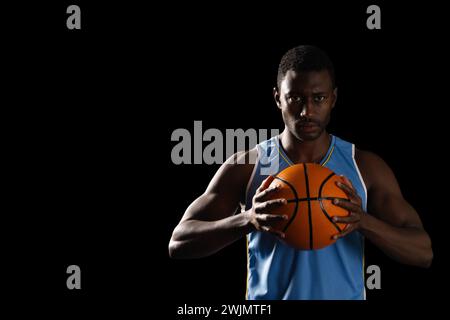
column 196, row 239
column 409, row 245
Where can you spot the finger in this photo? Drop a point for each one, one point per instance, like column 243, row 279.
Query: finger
column 269, row 205
column 273, row 231
column 266, row 183
column 268, row 219
column 345, row 232
column 355, row 196
column 353, row 218
column 347, row 181
column 349, row 191
column 344, row 186
column 261, row 195
column 350, row 206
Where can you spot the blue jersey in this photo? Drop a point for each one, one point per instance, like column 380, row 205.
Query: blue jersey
column 277, row 271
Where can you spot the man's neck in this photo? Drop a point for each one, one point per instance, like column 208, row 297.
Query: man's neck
column 305, row 151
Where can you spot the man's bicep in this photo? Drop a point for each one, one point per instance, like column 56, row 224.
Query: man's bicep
column 385, row 199
column 224, row 193
column 393, row 209
column 211, row 206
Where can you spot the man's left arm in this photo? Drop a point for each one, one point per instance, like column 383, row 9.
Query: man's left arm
column 392, row 224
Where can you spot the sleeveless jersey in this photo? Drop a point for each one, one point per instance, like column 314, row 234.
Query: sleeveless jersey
column 277, row 271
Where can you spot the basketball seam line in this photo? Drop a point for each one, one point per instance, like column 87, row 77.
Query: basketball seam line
column 321, row 203
column 315, row 199
column 311, row 243
column 296, row 204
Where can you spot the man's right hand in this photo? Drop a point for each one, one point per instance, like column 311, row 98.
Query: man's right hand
column 259, row 215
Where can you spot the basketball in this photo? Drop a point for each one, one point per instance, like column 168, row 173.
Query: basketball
column 309, row 189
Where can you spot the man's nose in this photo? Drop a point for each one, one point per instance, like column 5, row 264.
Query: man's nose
column 307, row 108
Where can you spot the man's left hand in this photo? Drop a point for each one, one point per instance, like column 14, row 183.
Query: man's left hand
column 354, row 207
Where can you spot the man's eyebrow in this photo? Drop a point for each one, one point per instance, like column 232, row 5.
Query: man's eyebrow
column 293, row 92
column 297, row 93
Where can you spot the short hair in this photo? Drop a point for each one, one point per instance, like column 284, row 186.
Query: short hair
column 305, row 58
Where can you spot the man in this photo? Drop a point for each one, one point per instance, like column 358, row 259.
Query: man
column 305, row 94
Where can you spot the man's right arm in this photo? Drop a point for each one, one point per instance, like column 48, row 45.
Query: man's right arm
column 210, row 224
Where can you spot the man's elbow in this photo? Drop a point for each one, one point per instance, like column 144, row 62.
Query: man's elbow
column 427, row 258
column 174, row 249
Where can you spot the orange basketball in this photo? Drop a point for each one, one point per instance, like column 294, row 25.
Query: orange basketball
column 309, row 189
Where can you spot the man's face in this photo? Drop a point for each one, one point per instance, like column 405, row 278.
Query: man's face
column 306, row 100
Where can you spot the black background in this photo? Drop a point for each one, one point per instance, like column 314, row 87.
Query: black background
column 89, row 115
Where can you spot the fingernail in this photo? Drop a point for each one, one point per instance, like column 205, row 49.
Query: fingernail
column 335, row 218
column 335, row 237
column 335, row 201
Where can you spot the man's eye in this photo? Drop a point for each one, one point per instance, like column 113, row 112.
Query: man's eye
column 319, row 98
column 295, row 99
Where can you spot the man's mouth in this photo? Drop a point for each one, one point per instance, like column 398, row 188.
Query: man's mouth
column 306, row 124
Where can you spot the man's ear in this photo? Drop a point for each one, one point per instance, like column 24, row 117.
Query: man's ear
column 335, row 90
column 276, row 96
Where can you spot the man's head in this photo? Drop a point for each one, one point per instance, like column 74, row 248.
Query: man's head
column 306, row 91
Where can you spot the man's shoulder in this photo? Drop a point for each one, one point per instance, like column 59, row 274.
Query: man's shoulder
column 367, row 157
column 235, row 172
column 243, row 160
column 371, row 166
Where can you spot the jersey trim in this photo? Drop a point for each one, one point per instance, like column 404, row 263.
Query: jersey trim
column 365, row 205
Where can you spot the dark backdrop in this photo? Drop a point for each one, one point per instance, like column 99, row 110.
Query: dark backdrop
column 91, row 113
